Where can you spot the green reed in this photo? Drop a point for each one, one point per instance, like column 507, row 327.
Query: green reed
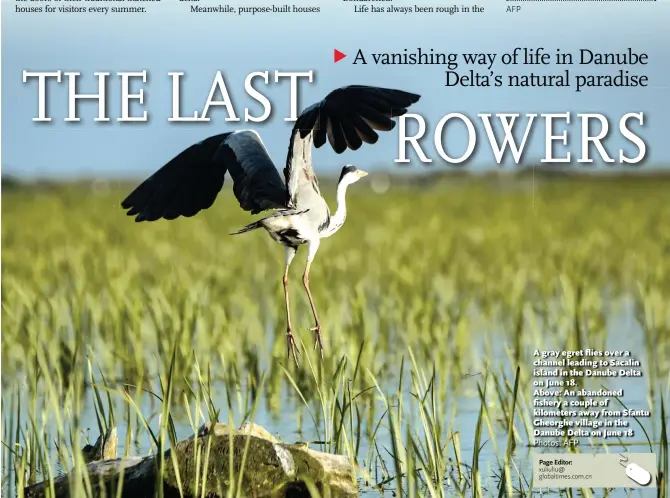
column 432, row 299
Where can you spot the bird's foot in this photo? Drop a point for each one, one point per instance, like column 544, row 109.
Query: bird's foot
column 292, row 348
column 318, row 343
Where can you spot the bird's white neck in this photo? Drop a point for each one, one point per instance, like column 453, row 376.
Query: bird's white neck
column 337, row 220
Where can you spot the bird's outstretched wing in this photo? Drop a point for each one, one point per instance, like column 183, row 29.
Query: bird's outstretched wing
column 191, row 181
column 347, row 117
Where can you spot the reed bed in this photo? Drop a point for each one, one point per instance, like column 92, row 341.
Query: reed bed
column 432, row 299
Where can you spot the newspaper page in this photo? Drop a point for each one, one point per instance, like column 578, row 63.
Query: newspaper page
column 399, row 248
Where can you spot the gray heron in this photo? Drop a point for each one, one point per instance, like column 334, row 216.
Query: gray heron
column 191, row 181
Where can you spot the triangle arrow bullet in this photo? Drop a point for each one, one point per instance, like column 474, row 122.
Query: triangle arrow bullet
column 338, row 56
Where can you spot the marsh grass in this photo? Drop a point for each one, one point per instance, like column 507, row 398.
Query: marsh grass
column 434, row 300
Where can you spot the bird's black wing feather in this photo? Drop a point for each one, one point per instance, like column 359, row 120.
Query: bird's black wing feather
column 346, row 118
column 192, row 180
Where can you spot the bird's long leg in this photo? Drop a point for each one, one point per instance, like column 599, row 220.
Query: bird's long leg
column 318, row 342
column 292, row 349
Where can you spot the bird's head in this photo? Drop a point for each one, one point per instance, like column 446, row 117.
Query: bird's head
column 351, row 174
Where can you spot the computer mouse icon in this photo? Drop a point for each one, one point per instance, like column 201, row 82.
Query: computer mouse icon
column 635, row 472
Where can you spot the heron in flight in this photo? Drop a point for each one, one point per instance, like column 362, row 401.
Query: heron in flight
column 191, row 181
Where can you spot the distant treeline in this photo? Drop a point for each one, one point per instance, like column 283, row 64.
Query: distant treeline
column 11, row 182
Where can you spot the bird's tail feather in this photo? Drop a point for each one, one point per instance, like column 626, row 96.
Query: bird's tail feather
column 249, row 227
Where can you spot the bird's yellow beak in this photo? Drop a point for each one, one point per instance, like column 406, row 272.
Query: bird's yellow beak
column 361, row 173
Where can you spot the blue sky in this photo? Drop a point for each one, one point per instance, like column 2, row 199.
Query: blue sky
column 170, row 38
